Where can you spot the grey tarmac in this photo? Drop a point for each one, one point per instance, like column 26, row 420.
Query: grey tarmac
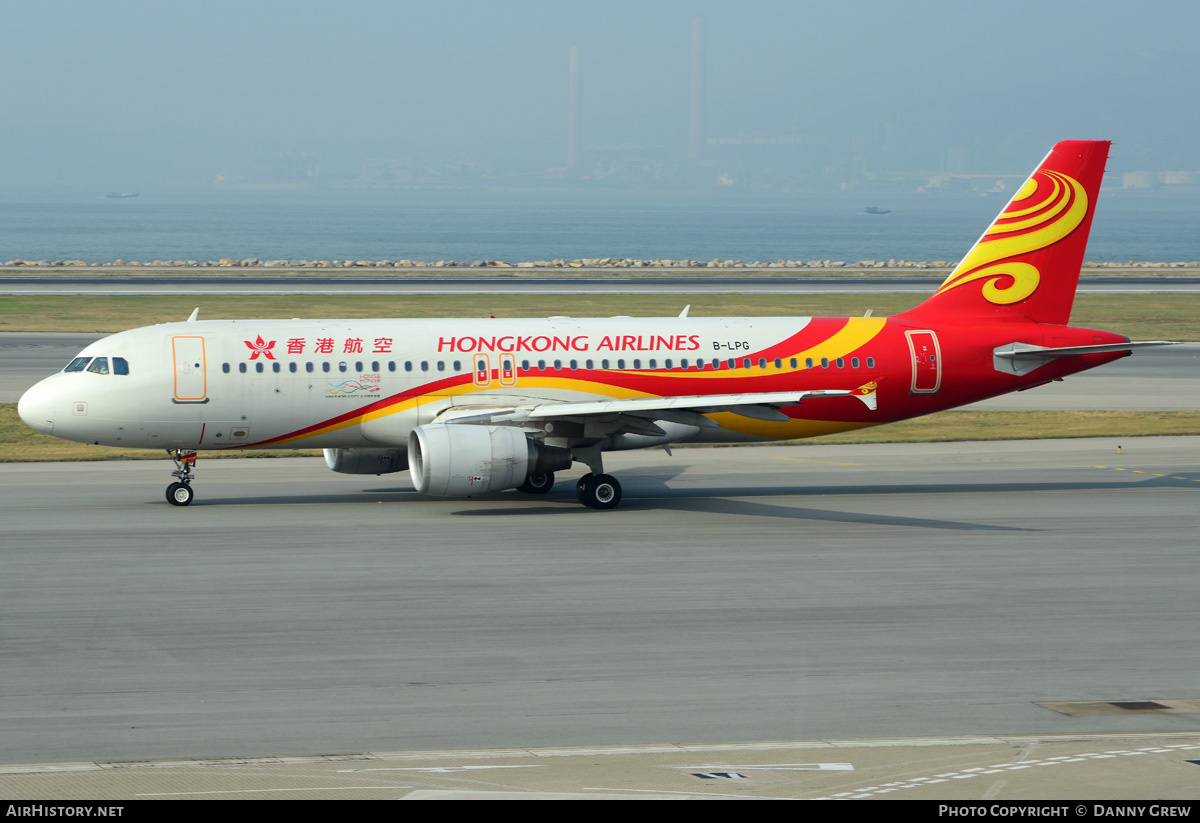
column 598, row 283
column 930, row 597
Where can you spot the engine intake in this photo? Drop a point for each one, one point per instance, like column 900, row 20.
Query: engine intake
column 463, row 460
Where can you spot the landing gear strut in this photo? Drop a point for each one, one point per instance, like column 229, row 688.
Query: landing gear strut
column 180, row 493
column 598, row 491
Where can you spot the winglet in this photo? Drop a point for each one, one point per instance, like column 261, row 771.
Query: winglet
column 685, row 310
column 866, row 393
column 195, row 313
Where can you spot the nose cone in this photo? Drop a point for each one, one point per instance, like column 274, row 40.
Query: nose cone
column 36, row 408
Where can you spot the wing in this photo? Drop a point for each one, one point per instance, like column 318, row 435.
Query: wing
column 637, row 415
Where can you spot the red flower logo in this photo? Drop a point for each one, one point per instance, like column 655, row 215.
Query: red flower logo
column 260, row 346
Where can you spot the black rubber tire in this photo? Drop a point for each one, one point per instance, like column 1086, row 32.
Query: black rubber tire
column 179, row 494
column 537, row 483
column 581, row 485
column 601, row 491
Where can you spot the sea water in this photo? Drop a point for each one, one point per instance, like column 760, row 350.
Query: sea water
column 529, row 225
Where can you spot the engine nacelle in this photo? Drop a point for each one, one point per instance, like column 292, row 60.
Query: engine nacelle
column 366, row 461
column 462, row 460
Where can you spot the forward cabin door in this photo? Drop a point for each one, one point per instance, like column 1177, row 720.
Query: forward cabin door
column 926, row 362
column 191, row 380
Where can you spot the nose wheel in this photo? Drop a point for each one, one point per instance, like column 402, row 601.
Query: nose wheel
column 180, row 493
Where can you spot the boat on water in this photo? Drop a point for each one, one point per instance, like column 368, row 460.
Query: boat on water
column 876, row 210
column 120, row 195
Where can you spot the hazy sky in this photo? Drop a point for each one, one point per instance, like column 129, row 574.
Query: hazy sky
column 142, row 94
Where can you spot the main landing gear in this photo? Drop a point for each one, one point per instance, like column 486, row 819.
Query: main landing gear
column 598, row 491
column 539, row 483
column 180, row 493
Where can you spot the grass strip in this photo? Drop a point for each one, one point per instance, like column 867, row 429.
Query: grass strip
column 1141, row 316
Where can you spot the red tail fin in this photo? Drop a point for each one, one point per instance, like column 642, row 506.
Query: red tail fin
column 1026, row 265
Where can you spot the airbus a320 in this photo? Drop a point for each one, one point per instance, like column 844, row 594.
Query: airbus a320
column 473, row 406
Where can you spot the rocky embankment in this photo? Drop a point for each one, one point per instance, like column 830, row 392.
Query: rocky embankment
column 581, row 263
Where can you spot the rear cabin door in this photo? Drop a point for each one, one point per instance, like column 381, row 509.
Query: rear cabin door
column 191, row 381
column 926, row 362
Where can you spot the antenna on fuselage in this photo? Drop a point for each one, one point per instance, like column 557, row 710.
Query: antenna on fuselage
column 195, row 313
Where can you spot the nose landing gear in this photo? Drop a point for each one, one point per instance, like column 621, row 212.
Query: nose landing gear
column 180, row 493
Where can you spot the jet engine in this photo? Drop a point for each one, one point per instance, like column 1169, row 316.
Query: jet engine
column 366, row 461
column 463, row 460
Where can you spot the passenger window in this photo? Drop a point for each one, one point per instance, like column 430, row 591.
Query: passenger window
column 408, row 365
column 292, row 367
column 542, row 365
column 424, row 365
column 374, row 365
column 342, row 365
column 778, row 363
column 242, row 368
column 225, row 368
column 637, row 362
column 870, row 362
column 120, row 365
column 275, row 367
column 841, row 362
column 524, row 365
column 620, row 362
column 358, row 366
column 325, row 366
column 808, row 362
column 458, row 365
column 78, row 364
column 391, row 365
column 824, row 362
column 308, row 367
column 574, row 365
column 745, row 362
column 653, row 363
column 441, row 365
column 762, row 362
column 604, row 363
column 700, row 364
column 99, row 366
column 854, row 362
column 588, row 365
column 795, row 362
column 558, row 365
column 732, row 363
column 258, row 367
column 716, row 364
column 668, row 363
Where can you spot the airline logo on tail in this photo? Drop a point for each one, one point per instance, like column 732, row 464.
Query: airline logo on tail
column 1047, row 209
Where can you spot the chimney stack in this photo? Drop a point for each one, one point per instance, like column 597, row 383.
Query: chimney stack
column 573, row 153
column 696, row 134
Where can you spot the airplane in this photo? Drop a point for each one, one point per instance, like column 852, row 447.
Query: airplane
column 473, row 406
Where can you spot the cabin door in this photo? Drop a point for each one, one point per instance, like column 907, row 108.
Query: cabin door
column 191, row 381
column 926, row 362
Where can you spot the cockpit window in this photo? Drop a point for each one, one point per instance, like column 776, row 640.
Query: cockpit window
column 99, row 366
column 78, row 364
column 120, row 365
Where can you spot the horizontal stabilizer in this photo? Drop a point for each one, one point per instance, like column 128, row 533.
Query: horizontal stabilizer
column 1024, row 351
column 1022, row 358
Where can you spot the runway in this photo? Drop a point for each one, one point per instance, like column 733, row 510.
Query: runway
column 808, row 593
column 1162, row 379
column 598, row 283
